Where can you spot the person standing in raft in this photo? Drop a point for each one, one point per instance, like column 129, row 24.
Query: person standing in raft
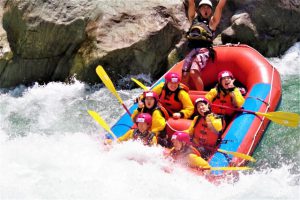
column 184, row 153
column 148, row 103
column 142, row 132
column 200, row 39
column 225, row 94
column 206, row 128
column 174, row 97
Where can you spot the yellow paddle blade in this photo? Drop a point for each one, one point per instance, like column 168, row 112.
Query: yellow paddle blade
column 237, row 154
column 101, row 121
column 107, row 82
column 283, row 118
column 229, row 168
column 140, row 84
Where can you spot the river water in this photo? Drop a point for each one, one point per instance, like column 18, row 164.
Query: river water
column 50, row 148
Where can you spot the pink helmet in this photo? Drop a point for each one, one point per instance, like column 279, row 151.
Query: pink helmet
column 223, row 74
column 181, row 136
column 172, row 77
column 144, row 117
column 150, row 94
column 202, row 99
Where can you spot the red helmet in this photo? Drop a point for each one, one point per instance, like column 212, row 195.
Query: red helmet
column 181, row 136
column 223, row 74
column 202, row 99
column 144, row 117
column 150, row 94
column 172, row 77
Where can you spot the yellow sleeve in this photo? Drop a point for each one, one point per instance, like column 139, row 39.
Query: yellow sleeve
column 190, row 130
column 187, row 104
column 211, row 95
column 128, row 135
column 197, row 161
column 158, row 122
column 157, row 89
column 215, row 123
column 238, row 99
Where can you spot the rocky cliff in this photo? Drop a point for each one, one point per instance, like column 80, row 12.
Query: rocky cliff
column 49, row 40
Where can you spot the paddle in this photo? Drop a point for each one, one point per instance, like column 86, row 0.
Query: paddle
column 200, row 163
column 238, row 155
column 140, row 84
column 108, row 83
column 279, row 117
column 102, row 123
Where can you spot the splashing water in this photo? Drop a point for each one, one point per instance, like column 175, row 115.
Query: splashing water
column 50, row 148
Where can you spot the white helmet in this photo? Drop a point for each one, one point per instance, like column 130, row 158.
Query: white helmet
column 205, row 2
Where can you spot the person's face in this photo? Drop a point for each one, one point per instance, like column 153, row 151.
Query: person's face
column 149, row 102
column 225, row 81
column 205, row 11
column 202, row 108
column 142, row 126
column 172, row 86
column 177, row 144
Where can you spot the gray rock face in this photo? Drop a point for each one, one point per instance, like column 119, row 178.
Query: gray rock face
column 271, row 27
column 50, row 40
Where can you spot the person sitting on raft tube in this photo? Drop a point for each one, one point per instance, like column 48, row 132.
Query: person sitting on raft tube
column 142, row 132
column 225, row 94
column 174, row 97
column 206, row 128
column 184, row 153
column 200, row 37
column 148, row 103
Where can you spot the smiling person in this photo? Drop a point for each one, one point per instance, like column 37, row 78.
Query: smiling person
column 206, row 128
column 148, row 103
column 174, row 96
column 184, row 153
column 142, row 132
column 200, row 37
column 225, row 94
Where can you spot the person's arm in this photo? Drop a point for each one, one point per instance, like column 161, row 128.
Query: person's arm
column 190, row 130
column 158, row 122
column 214, row 123
column 126, row 136
column 158, row 88
column 187, row 104
column 191, row 10
column 237, row 97
column 211, row 95
column 215, row 19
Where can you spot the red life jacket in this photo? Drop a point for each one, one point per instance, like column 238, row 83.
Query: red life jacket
column 171, row 101
column 159, row 107
column 203, row 136
column 223, row 99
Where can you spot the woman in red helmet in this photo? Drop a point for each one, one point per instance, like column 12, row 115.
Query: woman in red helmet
column 148, row 103
column 206, row 128
column 142, row 132
column 184, row 153
column 200, row 38
column 174, row 96
column 225, row 94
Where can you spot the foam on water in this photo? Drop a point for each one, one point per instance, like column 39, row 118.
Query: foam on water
column 50, row 148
